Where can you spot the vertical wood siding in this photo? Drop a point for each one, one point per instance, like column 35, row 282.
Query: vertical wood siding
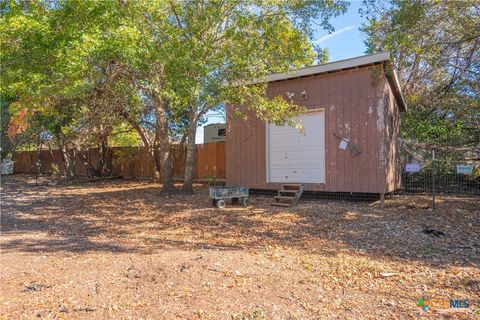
column 357, row 105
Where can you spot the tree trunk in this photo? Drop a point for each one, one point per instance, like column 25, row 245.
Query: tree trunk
column 156, row 159
column 163, row 141
column 104, row 165
column 38, row 163
column 190, row 156
column 68, row 161
column 151, row 147
column 89, row 169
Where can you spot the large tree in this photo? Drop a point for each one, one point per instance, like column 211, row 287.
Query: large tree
column 222, row 46
column 6, row 145
column 33, row 74
column 436, row 49
column 160, row 65
column 82, row 59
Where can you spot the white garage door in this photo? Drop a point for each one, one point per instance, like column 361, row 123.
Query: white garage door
column 294, row 156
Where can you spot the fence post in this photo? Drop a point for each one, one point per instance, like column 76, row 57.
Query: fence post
column 433, row 179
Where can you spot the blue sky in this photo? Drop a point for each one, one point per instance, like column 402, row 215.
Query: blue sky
column 346, row 42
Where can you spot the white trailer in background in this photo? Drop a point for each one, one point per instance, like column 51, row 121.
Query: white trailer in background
column 214, row 132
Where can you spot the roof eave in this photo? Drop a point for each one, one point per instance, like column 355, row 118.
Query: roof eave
column 397, row 89
column 334, row 66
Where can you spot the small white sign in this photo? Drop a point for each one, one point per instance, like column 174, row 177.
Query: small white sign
column 464, row 168
column 412, row 167
column 343, row 144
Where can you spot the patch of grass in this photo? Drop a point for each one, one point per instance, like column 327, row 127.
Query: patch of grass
column 254, row 314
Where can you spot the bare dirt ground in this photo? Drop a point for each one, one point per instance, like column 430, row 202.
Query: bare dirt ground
column 116, row 249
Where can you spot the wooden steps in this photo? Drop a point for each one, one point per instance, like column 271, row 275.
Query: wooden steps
column 283, row 198
column 287, row 191
column 288, row 195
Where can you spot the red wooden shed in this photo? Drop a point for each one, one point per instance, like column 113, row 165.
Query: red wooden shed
column 349, row 142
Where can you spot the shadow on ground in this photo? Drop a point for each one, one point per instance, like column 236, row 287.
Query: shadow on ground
column 130, row 216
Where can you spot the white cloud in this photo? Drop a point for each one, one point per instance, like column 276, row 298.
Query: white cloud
column 333, row 35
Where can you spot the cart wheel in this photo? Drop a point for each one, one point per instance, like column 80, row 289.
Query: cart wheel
column 234, row 200
column 221, row 204
column 245, row 201
column 214, row 202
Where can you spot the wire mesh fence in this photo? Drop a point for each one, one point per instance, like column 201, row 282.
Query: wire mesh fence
column 440, row 171
column 424, row 171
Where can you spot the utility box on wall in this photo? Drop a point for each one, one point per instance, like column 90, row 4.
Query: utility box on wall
column 214, row 132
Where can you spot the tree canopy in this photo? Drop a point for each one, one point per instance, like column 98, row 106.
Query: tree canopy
column 83, row 69
column 436, row 50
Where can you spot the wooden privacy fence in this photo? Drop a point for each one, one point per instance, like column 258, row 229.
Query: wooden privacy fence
column 127, row 161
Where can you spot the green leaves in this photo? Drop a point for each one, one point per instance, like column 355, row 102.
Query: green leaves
column 436, row 50
column 85, row 64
